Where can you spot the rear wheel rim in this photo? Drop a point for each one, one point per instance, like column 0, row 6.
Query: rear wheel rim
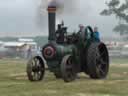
column 101, row 61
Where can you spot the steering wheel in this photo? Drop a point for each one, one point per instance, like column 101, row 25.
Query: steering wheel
column 89, row 31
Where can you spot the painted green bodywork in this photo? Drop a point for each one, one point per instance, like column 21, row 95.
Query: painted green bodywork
column 61, row 51
column 74, row 49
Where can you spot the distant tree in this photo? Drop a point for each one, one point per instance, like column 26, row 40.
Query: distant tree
column 121, row 28
column 120, row 10
column 6, row 39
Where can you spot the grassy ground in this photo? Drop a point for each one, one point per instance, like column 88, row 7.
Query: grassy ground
column 14, row 82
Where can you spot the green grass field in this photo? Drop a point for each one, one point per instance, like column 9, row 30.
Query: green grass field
column 14, row 82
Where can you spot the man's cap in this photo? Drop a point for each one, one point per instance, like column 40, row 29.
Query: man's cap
column 81, row 25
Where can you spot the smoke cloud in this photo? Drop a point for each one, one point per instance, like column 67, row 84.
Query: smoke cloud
column 63, row 6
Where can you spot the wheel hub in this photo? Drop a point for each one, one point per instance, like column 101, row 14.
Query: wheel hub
column 36, row 69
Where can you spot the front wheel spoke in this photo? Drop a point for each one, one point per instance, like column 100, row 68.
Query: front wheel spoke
column 36, row 75
column 34, row 64
column 39, row 74
column 36, row 61
column 41, row 69
column 32, row 73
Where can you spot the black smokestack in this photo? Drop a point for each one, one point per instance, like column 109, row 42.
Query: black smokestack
column 51, row 21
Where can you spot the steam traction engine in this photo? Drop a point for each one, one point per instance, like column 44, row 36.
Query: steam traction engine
column 67, row 55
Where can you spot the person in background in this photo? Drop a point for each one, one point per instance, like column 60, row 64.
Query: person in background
column 96, row 34
column 81, row 28
column 29, row 52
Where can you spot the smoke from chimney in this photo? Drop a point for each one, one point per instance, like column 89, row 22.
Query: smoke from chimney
column 63, row 6
column 57, row 3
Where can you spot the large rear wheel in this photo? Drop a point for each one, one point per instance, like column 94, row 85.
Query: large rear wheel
column 98, row 60
column 68, row 68
column 35, row 69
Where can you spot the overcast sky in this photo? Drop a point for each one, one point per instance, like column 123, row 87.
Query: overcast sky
column 21, row 17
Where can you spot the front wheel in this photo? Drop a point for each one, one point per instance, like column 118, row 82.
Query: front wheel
column 98, row 61
column 35, row 69
column 68, row 68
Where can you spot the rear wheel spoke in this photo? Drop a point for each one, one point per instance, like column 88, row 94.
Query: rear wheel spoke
column 102, row 53
column 103, row 62
column 101, row 71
